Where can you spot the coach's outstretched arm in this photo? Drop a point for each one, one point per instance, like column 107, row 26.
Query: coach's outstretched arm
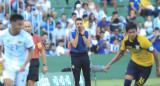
column 116, row 58
column 30, row 54
column 156, row 58
column 74, row 42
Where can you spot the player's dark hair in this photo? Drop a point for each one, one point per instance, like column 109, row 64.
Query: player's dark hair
column 16, row 17
column 74, row 14
column 78, row 19
column 131, row 25
column 58, row 23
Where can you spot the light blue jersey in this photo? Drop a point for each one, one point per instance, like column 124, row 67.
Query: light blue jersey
column 16, row 47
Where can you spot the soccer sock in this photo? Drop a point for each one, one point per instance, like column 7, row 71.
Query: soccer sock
column 127, row 82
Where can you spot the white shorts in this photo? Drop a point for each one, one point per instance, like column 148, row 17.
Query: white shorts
column 19, row 78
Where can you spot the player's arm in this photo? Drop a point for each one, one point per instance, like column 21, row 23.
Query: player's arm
column 74, row 42
column 156, row 58
column 116, row 58
column 44, row 61
column 29, row 57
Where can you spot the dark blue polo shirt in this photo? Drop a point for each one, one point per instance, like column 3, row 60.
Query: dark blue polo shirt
column 81, row 47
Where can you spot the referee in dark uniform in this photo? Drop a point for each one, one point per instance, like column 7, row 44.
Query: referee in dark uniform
column 79, row 39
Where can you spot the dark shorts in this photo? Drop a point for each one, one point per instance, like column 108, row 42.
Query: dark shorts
column 139, row 73
column 33, row 70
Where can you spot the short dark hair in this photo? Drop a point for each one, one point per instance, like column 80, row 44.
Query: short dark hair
column 131, row 25
column 84, row 16
column 78, row 19
column 74, row 14
column 16, row 17
column 58, row 23
column 115, row 12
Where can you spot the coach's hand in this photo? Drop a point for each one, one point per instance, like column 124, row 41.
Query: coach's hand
column 83, row 30
column 22, row 68
column 107, row 68
column 45, row 69
column 158, row 72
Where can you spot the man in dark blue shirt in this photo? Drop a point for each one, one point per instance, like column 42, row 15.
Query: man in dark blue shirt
column 79, row 39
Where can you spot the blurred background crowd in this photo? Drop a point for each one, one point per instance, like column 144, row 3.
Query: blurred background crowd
column 104, row 19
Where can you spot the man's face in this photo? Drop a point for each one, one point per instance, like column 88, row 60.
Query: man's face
column 27, row 26
column 116, row 31
column 132, row 33
column 139, row 24
column 28, row 8
column 7, row 16
column 79, row 25
column 17, row 25
column 1, row 27
column 74, row 17
column 64, row 17
column 59, row 26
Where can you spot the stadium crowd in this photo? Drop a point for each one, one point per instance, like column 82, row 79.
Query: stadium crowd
column 106, row 32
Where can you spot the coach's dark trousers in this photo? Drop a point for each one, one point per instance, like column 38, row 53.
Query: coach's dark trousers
column 81, row 61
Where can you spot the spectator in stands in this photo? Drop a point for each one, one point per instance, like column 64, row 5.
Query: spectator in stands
column 104, row 23
column 148, row 25
column 78, row 2
column 157, row 21
column 27, row 14
column 67, row 30
column 58, row 33
column 54, row 15
column 21, row 6
column 102, row 44
column 85, row 21
column 44, row 38
column 63, row 21
column 1, row 6
column 1, row 26
column 135, row 5
column 79, row 11
column 6, row 21
column 2, row 3
column 38, row 14
column 52, row 51
column 116, row 36
column 157, row 8
column 114, row 47
column 94, row 44
column 60, row 50
column 110, row 2
column 72, row 20
column 140, row 29
column 91, row 29
column 99, row 13
column 131, row 17
column 51, row 26
column 115, row 21
column 147, row 9
column 47, row 48
column 91, row 5
column 86, row 9
column 155, row 39
column 31, row 2
column 93, row 18
column 46, row 5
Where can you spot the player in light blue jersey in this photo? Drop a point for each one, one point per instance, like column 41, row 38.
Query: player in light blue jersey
column 18, row 51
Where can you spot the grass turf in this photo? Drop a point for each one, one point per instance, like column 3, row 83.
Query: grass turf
column 119, row 82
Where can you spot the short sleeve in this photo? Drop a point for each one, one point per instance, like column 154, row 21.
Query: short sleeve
column 123, row 47
column 39, row 43
column 87, row 34
column 146, row 44
column 29, row 41
column 70, row 35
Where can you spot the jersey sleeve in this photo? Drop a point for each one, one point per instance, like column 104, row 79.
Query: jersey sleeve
column 39, row 43
column 123, row 47
column 146, row 44
column 70, row 36
column 29, row 41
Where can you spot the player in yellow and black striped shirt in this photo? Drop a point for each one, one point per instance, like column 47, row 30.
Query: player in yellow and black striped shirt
column 143, row 57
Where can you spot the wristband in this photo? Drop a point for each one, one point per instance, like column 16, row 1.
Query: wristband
column 44, row 64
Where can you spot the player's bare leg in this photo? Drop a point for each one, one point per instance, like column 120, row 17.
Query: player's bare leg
column 8, row 82
column 31, row 83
